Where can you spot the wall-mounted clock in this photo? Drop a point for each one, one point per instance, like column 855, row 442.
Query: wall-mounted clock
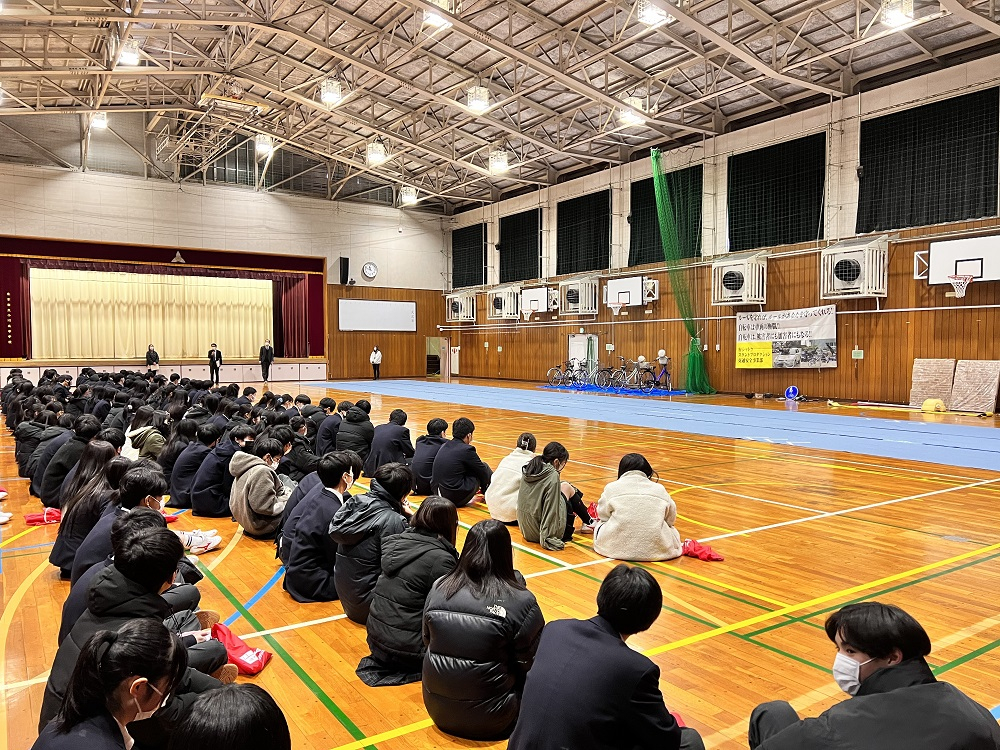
column 369, row 270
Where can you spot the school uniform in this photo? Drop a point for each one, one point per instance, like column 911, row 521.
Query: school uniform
column 101, row 732
column 185, row 469
column 312, row 554
column 300, row 460
column 212, row 483
column 96, row 546
column 72, row 532
column 356, row 432
column 47, row 451
column 56, row 470
column 458, row 472
column 101, row 409
column 390, row 444
column 422, row 465
column 266, row 358
column 152, row 360
column 214, row 363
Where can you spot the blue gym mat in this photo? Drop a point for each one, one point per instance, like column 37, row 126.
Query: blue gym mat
column 954, row 445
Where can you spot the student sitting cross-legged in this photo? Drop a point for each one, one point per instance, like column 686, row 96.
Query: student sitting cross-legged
column 258, row 496
column 459, row 474
column 310, row 555
column 411, row 563
column 481, row 627
column 360, row 530
column 896, row 703
column 588, row 690
column 121, row 677
column 186, row 465
column 424, row 451
column 390, row 443
column 546, row 505
column 637, row 515
column 213, row 481
column 501, row 497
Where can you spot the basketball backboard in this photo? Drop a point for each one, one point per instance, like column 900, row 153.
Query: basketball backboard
column 978, row 257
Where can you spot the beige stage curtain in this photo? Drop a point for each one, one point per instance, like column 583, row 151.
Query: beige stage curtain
column 96, row 315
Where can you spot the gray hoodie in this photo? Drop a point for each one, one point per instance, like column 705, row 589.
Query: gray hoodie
column 258, row 496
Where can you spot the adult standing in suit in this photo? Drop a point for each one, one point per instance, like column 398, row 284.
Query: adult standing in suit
column 214, row 363
column 152, row 360
column 266, row 358
column 376, row 360
column 588, row 690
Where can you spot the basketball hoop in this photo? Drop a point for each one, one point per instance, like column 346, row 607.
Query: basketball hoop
column 960, row 283
column 616, row 307
column 527, row 314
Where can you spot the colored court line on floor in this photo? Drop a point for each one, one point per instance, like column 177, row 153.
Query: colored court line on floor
column 20, row 534
column 256, row 597
column 229, row 548
column 965, row 658
column 287, row 658
column 12, row 687
column 11, row 608
column 386, row 736
column 817, row 600
column 295, row 626
column 996, row 712
column 30, row 546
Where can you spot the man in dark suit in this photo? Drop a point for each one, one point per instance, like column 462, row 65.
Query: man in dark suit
column 391, row 444
column 587, row 690
column 266, row 358
column 459, row 474
column 214, row 363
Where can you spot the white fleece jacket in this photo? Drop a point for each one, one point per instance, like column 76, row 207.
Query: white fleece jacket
column 637, row 520
column 501, row 495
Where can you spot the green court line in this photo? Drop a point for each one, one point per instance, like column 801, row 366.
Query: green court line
column 299, row 672
column 966, row 658
column 872, row 595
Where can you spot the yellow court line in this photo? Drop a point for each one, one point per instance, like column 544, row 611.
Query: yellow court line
column 6, row 620
column 19, row 535
column 684, row 604
column 720, row 584
column 813, row 602
column 229, row 548
column 14, row 686
column 702, row 523
column 390, row 735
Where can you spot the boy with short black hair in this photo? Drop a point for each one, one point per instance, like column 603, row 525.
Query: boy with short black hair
column 188, row 462
column 390, row 443
column 459, row 474
column 424, row 451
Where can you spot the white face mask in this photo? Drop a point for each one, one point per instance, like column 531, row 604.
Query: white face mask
column 140, row 714
column 847, row 673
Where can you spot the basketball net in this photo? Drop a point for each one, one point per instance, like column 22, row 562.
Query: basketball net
column 616, row 307
column 960, row 284
column 527, row 314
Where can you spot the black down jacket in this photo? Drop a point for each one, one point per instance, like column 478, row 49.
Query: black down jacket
column 478, row 655
column 356, row 433
column 411, row 563
column 360, row 528
column 27, row 436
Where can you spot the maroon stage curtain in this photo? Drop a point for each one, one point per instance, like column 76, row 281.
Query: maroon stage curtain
column 294, row 315
column 25, row 303
column 178, row 269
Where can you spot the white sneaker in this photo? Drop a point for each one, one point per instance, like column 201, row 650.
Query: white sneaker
column 588, row 528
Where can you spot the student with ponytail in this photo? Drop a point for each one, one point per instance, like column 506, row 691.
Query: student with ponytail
column 501, row 495
column 545, row 505
column 121, row 676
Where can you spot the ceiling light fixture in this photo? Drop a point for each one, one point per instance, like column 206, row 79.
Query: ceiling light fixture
column 499, row 160
column 896, row 13
column 99, row 121
column 435, row 19
column 629, row 115
column 263, row 144
column 130, row 53
column 478, row 99
column 651, row 15
column 331, row 92
column 376, row 153
column 408, row 195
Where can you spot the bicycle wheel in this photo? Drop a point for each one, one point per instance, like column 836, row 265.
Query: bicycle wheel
column 554, row 376
column 603, row 378
column 646, row 381
column 618, row 379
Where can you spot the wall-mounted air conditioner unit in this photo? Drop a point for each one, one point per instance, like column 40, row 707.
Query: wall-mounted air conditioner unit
column 855, row 268
column 503, row 304
column 740, row 281
column 460, row 308
column 578, row 297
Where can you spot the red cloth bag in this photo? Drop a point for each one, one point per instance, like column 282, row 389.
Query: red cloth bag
column 249, row 661
column 47, row 516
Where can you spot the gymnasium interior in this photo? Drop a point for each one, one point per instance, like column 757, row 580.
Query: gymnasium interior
column 756, row 242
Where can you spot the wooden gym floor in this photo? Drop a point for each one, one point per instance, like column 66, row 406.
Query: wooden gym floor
column 732, row 634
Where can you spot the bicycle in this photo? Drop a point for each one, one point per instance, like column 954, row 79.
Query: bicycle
column 569, row 373
column 630, row 375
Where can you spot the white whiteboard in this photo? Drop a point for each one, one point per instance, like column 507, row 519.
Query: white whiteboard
column 376, row 315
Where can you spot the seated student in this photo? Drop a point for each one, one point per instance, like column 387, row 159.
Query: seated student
column 411, row 563
column 65, row 458
column 27, row 436
column 84, row 501
column 234, row 717
column 188, row 462
column 588, row 690
column 501, row 497
column 249, row 393
column 356, row 430
column 181, row 596
column 55, row 425
column 360, row 529
column 300, row 460
column 183, row 432
column 118, row 404
column 102, row 402
column 390, row 444
column 213, row 482
column 896, row 703
column 310, row 555
column 258, row 496
column 147, row 434
column 459, row 474
column 424, row 452
column 637, row 515
column 77, row 405
column 481, row 627
column 121, row 676
column 326, row 430
column 127, row 589
column 545, row 505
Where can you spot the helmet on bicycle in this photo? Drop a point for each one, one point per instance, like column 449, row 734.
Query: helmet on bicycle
column 641, row 358
column 661, row 353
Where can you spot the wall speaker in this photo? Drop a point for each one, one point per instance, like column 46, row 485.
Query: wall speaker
column 345, row 270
